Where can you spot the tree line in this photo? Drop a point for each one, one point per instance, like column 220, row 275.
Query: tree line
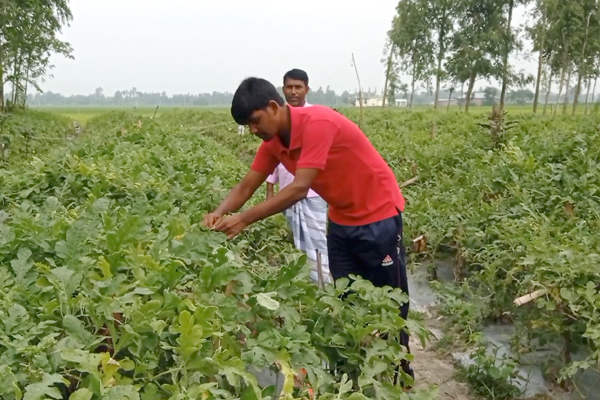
column 459, row 42
column 328, row 97
column 134, row 97
column 28, row 36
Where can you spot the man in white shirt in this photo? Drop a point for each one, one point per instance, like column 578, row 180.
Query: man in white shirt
column 307, row 218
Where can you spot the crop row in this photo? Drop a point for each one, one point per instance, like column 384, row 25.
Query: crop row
column 110, row 289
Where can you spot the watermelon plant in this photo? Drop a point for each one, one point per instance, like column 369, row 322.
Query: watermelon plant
column 514, row 217
column 110, row 289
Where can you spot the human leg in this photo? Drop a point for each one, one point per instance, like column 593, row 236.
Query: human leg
column 382, row 252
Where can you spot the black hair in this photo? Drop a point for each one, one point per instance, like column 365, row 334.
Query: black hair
column 253, row 94
column 296, row 74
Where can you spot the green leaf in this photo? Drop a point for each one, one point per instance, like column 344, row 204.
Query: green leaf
column 17, row 315
column 22, row 265
column 85, row 361
column 345, row 385
column 357, row 396
column 8, row 383
column 75, row 328
column 566, row 294
column 81, row 394
column 101, row 205
column 249, row 394
column 265, row 300
column 125, row 392
column 44, row 389
column 151, row 392
column 51, row 204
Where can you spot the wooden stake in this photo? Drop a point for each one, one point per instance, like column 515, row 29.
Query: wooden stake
column 360, row 98
column 320, row 270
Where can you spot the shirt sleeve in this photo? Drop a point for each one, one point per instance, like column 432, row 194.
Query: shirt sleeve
column 316, row 142
column 274, row 177
column 264, row 161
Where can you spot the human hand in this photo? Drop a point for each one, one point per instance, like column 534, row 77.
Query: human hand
column 211, row 219
column 231, row 225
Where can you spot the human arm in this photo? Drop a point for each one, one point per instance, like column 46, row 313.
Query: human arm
column 317, row 141
column 264, row 164
column 238, row 196
column 284, row 199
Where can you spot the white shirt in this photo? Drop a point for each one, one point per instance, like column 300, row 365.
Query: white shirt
column 284, row 177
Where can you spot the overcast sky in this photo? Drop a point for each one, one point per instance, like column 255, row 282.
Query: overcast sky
column 192, row 46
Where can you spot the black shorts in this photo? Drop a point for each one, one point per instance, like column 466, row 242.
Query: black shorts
column 375, row 252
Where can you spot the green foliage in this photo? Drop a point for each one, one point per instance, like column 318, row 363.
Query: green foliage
column 110, row 288
column 28, row 36
column 492, row 376
column 498, row 125
column 515, row 218
column 29, row 133
column 412, row 40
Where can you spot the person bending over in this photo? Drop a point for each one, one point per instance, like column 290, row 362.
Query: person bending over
column 330, row 154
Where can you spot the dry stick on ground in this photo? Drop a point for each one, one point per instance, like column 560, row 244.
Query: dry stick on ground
column 409, row 182
column 529, row 297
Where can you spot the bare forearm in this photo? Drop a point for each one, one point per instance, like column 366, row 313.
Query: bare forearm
column 235, row 200
column 283, row 200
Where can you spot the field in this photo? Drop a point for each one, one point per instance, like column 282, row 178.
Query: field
column 84, row 113
column 112, row 290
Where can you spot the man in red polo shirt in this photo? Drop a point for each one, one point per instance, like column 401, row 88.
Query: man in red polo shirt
column 328, row 153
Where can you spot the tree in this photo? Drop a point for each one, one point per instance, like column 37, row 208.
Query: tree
column 509, row 43
column 118, row 97
column 412, row 39
column 440, row 20
column 490, row 94
column 521, row 96
column 537, row 33
column 586, row 39
column 390, row 48
column 477, row 43
column 28, row 36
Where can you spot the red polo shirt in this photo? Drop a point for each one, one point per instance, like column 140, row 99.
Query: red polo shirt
column 354, row 179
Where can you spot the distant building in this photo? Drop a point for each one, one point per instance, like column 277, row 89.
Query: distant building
column 477, row 99
column 444, row 102
column 369, row 102
column 378, row 102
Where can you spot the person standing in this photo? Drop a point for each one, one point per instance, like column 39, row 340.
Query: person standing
column 308, row 217
column 330, row 154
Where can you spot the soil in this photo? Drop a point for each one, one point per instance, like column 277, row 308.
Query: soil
column 433, row 368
